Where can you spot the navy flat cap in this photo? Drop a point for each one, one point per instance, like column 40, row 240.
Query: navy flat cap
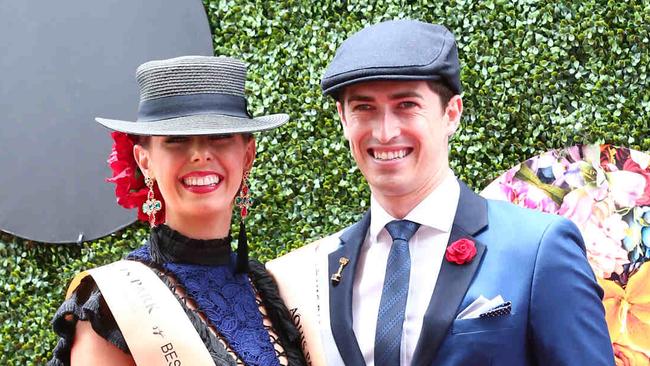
column 395, row 50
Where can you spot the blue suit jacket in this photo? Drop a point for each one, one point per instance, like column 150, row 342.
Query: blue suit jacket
column 534, row 260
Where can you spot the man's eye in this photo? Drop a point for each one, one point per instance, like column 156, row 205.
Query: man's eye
column 362, row 107
column 407, row 104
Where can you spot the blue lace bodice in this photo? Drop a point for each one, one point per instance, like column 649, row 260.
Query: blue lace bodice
column 226, row 298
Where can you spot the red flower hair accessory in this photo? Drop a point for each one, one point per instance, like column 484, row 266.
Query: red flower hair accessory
column 461, row 251
column 130, row 190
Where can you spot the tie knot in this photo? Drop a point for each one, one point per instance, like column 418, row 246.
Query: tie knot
column 402, row 229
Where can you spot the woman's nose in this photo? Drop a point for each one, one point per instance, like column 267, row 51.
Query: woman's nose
column 201, row 150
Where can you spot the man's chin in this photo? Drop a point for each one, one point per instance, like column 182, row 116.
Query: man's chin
column 389, row 187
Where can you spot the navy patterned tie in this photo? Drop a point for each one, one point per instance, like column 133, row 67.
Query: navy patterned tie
column 388, row 336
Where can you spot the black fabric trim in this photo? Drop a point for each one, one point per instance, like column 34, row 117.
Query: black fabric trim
column 175, row 106
column 277, row 312
column 169, row 246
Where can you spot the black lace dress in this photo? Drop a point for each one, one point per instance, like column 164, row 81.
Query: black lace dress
column 239, row 316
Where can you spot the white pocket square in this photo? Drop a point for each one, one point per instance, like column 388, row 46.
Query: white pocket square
column 483, row 307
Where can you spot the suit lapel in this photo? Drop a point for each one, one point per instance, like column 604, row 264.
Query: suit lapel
column 340, row 295
column 453, row 279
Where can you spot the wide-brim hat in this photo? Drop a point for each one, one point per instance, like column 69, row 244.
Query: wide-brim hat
column 193, row 95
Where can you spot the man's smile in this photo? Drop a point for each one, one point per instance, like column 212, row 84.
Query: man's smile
column 385, row 154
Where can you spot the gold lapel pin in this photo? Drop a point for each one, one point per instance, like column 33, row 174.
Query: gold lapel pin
column 336, row 277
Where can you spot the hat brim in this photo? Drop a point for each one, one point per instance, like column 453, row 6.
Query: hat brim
column 205, row 124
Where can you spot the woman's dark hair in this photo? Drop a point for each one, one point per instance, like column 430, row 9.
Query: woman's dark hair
column 141, row 140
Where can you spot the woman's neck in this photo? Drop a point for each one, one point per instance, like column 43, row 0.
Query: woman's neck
column 203, row 227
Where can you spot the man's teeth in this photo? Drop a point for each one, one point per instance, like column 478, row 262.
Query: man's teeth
column 391, row 155
column 201, row 181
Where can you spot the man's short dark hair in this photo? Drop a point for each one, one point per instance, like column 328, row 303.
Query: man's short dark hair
column 444, row 92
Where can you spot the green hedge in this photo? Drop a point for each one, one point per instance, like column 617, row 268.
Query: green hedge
column 537, row 75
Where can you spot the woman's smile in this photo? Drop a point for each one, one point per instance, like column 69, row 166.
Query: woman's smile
column 201, row 181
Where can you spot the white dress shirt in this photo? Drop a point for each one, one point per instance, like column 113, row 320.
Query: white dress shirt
column 435, row 214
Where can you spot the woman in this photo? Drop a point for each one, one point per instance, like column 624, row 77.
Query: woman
column 193, row 148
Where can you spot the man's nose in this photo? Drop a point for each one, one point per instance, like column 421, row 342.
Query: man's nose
column 387, row 127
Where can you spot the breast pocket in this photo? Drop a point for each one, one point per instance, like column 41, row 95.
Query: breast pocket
column 479, row 325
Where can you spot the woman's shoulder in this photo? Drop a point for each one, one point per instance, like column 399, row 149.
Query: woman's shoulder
column 85, row 303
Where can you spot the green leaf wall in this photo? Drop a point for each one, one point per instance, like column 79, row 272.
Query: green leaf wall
column 537, row 75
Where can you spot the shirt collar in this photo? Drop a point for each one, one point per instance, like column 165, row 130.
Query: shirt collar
column 437, row 210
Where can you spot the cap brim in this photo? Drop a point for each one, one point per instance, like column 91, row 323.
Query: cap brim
column 208, row 124
column 336, row 85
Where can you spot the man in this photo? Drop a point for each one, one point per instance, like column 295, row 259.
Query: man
column 433, row 274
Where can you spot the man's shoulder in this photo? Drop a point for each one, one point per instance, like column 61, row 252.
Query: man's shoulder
column 516, row 213
column 505, row 216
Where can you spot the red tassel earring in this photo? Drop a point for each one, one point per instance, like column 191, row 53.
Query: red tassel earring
column 244, row 202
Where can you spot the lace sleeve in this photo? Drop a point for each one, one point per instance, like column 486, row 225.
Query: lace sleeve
column 86, row 303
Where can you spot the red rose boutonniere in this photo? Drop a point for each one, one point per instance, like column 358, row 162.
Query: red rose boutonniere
column 461, row 251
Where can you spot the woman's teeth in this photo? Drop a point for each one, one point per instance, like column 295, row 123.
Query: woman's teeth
column 201, row 181
column 391, row 155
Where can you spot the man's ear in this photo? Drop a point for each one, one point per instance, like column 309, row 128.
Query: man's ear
column 249, row 154
column 453, row 113
column 344, row 122
column 141, row 156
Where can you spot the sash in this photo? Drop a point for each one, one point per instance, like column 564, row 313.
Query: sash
column 297, row 277
column 152, row 321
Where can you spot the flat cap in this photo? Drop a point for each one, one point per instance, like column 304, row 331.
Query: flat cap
column 395, row 50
